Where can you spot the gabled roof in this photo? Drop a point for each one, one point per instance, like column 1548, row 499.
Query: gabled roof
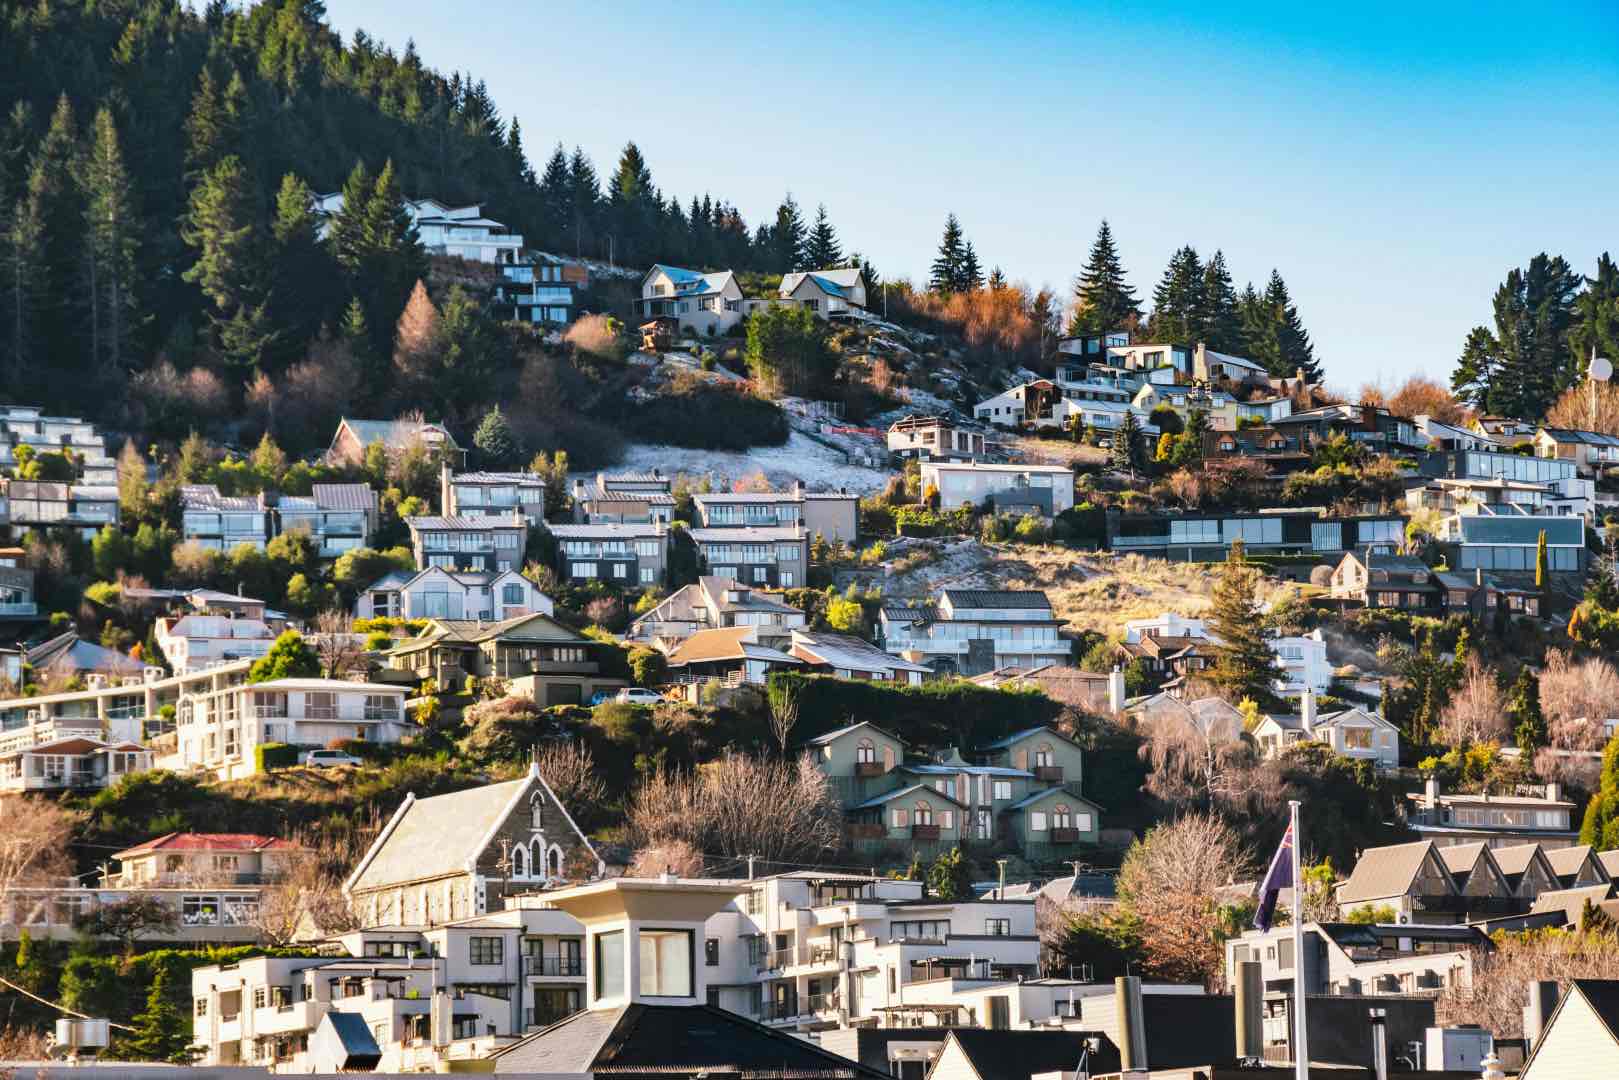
column 1463, row 860
column 1568, row 861
column 1382, row 872
column 682, row 1040
column 899, row 793
column 1019, row 1054
column 822, row 740
column 1571, row 435
column 476, row 631
column 1019, row 736
column 835, row 282
column 1610, row 862
column 847, row 651
column 1038, row 796
column 1602, row 996
column 1571, row 902
column 71, row 652
column 726, row 643
column 394, row 434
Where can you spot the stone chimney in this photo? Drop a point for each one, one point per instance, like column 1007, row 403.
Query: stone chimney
column 1115, row 690
column 1307, row 709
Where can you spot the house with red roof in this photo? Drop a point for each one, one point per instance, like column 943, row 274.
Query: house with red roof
column 188, row 858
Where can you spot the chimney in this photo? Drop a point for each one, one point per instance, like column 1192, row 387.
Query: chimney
column 1115, row 690
column 1249, row 994
column 1478, row 576
column 1380, row 1042
column 445, row 488
column 1131, row 1026
column 1431, row 793
column 1554, row 791
column 1307, row 708
column 1542, row 1003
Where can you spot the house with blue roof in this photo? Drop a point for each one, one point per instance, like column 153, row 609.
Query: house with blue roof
column 828, row 294
column 709, row 303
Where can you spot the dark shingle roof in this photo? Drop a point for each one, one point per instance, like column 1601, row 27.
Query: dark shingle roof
column 997, row 598
column 673, row 1040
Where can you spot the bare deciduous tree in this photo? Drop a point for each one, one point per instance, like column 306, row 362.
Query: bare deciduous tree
column 675, row 856
column 570, row 771
column 1199, row 759
column 781, row 811
column 1477, row 711
column 33, row 844
column 1575, row 698
column 341, row 650
column 783, row 700
column 305, row 896
column 1168, row 882
column 1498, row 990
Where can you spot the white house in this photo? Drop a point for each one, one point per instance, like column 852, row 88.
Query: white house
column 973, row 631
column 1047, row 490
column 827, row 293
column 437, row 593
column 73, row 762
column 192, row 642
column 218, row 730
column 27, row 425
column 707, row 303
column 462, row 231
column 1353, row 733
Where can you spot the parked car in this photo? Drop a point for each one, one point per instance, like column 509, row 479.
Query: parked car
column 323, row 759
column 602, row 697
column 635, row 695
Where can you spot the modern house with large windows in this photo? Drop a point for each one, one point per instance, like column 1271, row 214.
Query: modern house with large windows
column 755, row 555
column 461, row 231
column 492, row 544
column 436, row 593
column 28, row 425
column 1043, row 490
column 1194, row 537
column 222, row 522
column 39, row 504
column 629, row 554
column 492, row 494
column 973, row 631
column 338, row 517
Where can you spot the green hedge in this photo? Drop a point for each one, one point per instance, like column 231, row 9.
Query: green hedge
column 274, row 755
column 946, row 712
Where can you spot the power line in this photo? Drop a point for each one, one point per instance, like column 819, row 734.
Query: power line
column 57, row 1006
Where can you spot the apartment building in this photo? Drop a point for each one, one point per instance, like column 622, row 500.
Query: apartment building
column 973, row 631
column 222, row 522
column 437, row 593
column 713, row 603
column 832, row 515
column 219, row 729
column 1425, row 883
column 27, row 425
column 39, row 504
column 486, row 544
column 338, row 517
column 934, row 438
column 811, row 951
column 1351, row 958
column 395, row 1000
column 626, row 498
column 755, row 555
column 492, row 494
column 629, row 554
column 1043, row 490
column 1534, row 816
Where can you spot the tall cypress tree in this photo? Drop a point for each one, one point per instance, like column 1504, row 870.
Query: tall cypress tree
column 112, row 230
column 1219, row 323
column 945, row 277
column 822, row 250
column 1177, row 302
column 1103, row 300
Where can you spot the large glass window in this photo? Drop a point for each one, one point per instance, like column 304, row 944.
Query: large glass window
column 666, row 963
column 486, row 950
column 610, row 964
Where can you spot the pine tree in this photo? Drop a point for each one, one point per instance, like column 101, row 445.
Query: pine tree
column 1177, row 302
column 1127, row 452
column 496, row 443
column 556, row 201
column 1473, row 381
column 111, row 238
column 1534, row 313
column 230, row 268
column 514, row 151
column 213, row 124
column 584, row 195
column 1103, row 300
column 1219, row 324
column 1294, row 352
column 20, row 251
column 1243, row 662
column 1528, row 722
column 305, row 277
column 788, row 246
column 972, row 275
column 346, row 236
column 630, row 202
column 946, row 274
column 162, row 1032
column 822, row 250
column 1596, row 315
column 997, row 280
column 54, row 216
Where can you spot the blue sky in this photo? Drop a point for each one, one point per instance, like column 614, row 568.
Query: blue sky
column 1393, row 162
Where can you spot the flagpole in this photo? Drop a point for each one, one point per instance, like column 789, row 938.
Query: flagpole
column 1301, row 1040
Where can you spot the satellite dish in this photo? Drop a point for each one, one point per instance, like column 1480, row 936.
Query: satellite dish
column 1601, row 368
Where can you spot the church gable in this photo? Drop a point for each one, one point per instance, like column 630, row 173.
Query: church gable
column 534, row 842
